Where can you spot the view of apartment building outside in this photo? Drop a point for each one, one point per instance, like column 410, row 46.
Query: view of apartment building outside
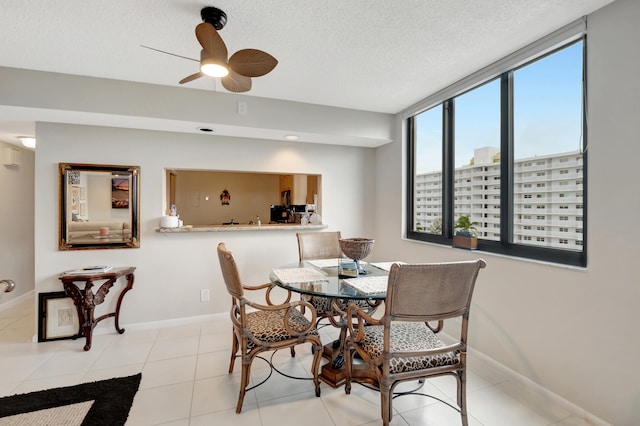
column 548, row 198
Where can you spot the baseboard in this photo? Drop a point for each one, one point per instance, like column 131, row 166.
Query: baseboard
column 163, row 323
column 517, row 377
column 15, row 301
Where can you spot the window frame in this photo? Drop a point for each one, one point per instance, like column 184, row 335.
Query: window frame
column 506, row 244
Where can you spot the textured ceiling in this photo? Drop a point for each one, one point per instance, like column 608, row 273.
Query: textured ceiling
column 375, row 55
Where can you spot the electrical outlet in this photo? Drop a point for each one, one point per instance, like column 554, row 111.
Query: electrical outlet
column 204, row 295
column 242, row 108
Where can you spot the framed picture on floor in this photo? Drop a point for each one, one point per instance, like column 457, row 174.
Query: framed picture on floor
column 57, row 317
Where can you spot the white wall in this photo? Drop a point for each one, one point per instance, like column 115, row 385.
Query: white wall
column 16, row 223
column 574, row 331
column 172, row 268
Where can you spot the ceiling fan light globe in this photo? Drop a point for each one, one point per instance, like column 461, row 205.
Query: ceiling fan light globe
column 214, row 70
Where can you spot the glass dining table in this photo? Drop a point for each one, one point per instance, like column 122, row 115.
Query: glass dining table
column 321, row 278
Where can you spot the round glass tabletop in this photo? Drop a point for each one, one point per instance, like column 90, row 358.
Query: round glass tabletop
column 323, row 280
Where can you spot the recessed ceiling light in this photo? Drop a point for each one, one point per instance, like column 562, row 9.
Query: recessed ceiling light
column 28, row 141
column 291, row 137
column 206, row 130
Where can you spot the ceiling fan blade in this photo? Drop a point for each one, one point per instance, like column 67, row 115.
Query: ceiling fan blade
column 211, row 41
column 235, row 82
column 252, row 62
column 190, row 78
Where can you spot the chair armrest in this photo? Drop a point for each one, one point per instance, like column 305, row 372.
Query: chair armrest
column 269, row 287
column 257, row 287
column 362, row 318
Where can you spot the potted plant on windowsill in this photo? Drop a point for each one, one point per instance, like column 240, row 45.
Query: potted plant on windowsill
column 465, row 233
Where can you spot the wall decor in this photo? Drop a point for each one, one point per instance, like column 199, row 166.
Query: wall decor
column 225, row 197
column 74, row 177
column 120, row 193
column 114, row 192
column 74, row 199
column 57, row 317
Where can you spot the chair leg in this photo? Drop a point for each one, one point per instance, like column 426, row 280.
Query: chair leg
column 385, row 403
column 293, row 351
column 315, row 366
column 462, row 396
column 234, row 351
column 244, row 382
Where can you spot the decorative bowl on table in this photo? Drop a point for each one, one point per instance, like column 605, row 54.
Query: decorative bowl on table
column 357, row 249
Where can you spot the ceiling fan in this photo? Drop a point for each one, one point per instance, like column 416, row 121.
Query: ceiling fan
column 235, row 73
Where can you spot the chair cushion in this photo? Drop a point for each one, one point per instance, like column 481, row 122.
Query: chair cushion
column 268, row 326
column 406, row 336
column 323, row 304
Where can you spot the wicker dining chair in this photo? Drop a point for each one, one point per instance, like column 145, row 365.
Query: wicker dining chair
column 403, row 344
column 266, row 327
column 324, row 245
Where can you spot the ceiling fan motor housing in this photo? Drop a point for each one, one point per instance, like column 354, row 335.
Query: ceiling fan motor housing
column 214, row 16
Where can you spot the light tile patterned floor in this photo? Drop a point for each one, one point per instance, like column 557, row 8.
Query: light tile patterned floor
column 185, row 381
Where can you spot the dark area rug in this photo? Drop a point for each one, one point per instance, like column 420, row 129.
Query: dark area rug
column 112, row 400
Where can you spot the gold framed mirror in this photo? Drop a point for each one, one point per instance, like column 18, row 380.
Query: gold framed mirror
column 99, row 206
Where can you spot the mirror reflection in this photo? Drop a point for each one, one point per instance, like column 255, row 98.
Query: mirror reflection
column 99, row 206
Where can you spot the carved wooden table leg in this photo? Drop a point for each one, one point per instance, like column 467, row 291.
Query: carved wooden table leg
column 86, row 300
column 129, row 286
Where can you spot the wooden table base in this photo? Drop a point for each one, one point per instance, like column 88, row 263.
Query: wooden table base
column 336, row 377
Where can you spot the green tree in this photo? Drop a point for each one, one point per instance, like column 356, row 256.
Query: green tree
column 436, row 226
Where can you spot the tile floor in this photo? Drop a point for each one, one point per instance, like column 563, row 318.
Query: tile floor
column 185, row 381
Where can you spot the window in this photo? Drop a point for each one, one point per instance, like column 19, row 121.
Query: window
column 480, row 139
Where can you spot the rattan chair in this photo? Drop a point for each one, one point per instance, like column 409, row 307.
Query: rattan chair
column 266, row 327
column 324, row 245
column 403, row 344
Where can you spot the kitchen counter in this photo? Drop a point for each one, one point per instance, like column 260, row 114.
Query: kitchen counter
column 240, row 227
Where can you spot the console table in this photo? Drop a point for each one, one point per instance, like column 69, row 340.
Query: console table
column 86, row 300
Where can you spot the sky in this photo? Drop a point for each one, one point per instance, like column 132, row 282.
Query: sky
column 547, row 114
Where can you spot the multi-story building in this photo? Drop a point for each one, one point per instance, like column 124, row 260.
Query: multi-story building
column 548, row 198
